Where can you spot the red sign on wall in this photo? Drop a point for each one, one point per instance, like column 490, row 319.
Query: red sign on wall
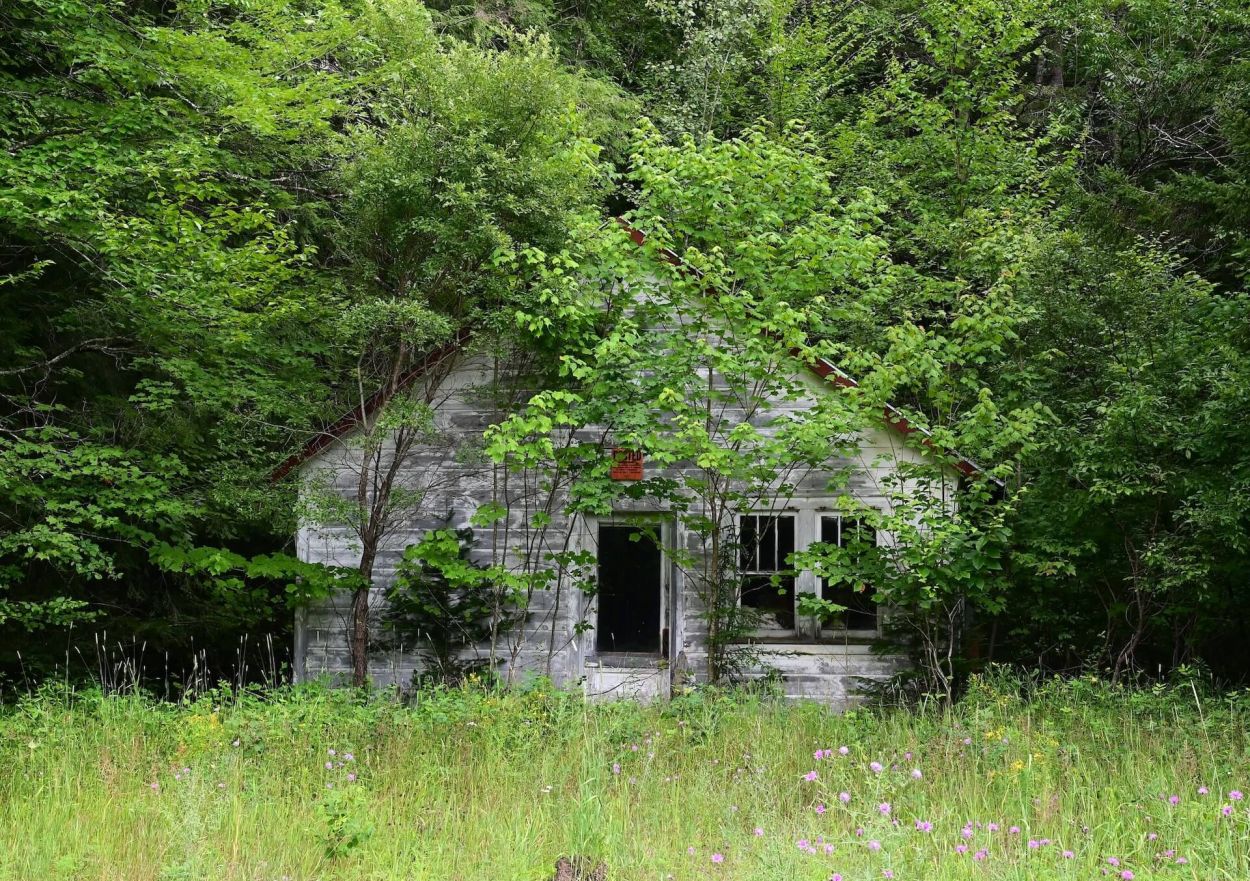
column 626, row 464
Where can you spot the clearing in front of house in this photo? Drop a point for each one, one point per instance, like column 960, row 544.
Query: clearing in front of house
column 1062, row 780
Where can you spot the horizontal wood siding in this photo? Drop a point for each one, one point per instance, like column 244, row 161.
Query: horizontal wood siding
column 458, row 479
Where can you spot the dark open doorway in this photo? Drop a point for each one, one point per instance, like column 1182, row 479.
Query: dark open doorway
column 630, row 591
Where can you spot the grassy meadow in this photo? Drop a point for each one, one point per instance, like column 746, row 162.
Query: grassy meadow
column 1060, row 780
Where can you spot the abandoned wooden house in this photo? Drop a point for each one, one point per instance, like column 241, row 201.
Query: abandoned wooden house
column 641, row 631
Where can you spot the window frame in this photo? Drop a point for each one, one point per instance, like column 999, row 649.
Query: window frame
column 808, row 521
column 842, row 518
column 744, row 573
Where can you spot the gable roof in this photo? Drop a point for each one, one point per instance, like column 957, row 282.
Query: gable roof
column 349, row 420
column 892, row 417
column 825, row 369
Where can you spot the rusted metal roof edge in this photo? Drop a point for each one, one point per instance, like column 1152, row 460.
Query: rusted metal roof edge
column 891, row 416
column 349, row 420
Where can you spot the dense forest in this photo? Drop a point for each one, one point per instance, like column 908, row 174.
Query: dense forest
column 220, row 221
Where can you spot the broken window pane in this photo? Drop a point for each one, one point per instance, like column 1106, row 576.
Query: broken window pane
column 768, row 586
column 861, row 608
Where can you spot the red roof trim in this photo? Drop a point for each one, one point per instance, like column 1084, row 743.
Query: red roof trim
column 349, row 420
column 892, row 416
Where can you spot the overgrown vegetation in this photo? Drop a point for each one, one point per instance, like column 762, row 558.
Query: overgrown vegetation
column 1046, row 780
column 442, row 602
column 224, row 224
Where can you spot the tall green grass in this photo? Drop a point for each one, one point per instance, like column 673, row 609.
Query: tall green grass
column 474, row 785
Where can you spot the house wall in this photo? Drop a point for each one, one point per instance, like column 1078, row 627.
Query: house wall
column 457, row 479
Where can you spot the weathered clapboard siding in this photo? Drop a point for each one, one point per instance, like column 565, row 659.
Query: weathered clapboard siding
column 458, row 479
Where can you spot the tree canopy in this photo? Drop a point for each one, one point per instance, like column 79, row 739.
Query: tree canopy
column 222, row 224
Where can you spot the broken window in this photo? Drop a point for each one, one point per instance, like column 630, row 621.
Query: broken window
column 861, row 608
column 765, row 542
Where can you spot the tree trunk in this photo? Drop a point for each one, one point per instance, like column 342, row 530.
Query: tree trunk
column 358, row 626
column 360, row 636
column 716, row 593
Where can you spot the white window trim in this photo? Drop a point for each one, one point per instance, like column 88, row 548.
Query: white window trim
column 807, row 516
column 820, row 582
